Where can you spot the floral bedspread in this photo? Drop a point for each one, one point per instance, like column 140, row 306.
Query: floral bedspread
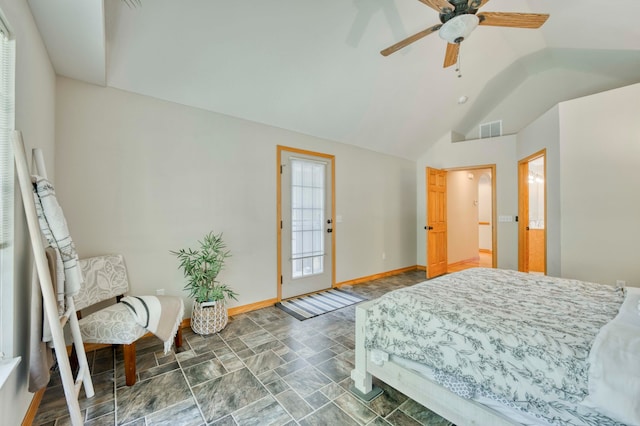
column 521, row 337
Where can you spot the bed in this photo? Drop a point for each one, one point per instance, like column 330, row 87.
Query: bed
column 495, row 347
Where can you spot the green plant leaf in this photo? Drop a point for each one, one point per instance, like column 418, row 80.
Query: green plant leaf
column 201, row 268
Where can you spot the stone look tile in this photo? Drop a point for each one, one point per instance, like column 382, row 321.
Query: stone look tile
column 148, row 396
column 274, row 345
column 155, row 371
column 316, row 399
column 232, row 363
column 421, row 414
column 262, row 362
column 239, row 326
column 350, row 405
column 295, row 405
column 332, row 391
column 204, row 371
column 165, row 359
column 268, row 377
column 225, row 421
column 185, row 413
column 196, row 359
column 320, row 357
column 329, row 414
column 100, row 410
column 398, row 418
column 226, row 394
column 379, row 421
column 265, row 411
column 106, row 420
column 247, row 353
column 336, row 369
column 277, row 387
column 257, row 338
column 388, row 401
column 292, row 366
column 237, row 345
column 306, row 381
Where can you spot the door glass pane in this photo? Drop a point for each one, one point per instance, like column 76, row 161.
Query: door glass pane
column 307, row 213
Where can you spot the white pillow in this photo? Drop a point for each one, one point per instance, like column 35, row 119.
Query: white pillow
column 614, row 370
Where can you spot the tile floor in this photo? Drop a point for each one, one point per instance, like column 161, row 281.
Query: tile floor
column 265, row 367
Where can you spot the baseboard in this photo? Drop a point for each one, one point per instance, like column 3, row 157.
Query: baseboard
column 251, row 307
column 421, row 268
column 377, row 276
column 472, row 259
column 489, row 251
column 30, row 415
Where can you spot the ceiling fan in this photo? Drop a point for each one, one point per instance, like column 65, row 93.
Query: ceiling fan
column 459, row 18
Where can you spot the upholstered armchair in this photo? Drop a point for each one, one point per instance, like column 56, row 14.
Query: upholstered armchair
column 105, row 278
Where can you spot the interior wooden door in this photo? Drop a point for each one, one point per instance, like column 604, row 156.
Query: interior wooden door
column 532, row 212
column 436, row 222
column 523, row 214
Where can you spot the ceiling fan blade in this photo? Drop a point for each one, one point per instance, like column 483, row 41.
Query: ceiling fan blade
column 511, row 19
column 442, row 6
column 451, row 55
column 476, row 4
column 407, row 41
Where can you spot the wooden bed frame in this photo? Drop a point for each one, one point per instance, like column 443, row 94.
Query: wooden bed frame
column 438, row 399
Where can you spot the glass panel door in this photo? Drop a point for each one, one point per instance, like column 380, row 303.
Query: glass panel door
column 307, row 217
column 306, row 228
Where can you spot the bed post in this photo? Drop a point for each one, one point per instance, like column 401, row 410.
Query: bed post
column 362, row 381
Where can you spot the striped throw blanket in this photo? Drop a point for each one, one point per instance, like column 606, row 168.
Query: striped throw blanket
column 54, row 228
column 160, row 315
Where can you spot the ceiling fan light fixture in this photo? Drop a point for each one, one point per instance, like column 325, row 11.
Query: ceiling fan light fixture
column 458, row 28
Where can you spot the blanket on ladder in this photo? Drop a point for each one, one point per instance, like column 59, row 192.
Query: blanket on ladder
column 160, row 315
column 54, row 228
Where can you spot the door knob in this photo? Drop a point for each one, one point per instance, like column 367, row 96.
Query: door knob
column 429, row 228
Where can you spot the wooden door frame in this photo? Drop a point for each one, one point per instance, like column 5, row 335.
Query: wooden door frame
column 494, row 209
column 523, row 209
column 279, row 150
column 436, row 269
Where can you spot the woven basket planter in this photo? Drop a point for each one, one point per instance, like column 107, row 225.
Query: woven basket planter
column 209, row 317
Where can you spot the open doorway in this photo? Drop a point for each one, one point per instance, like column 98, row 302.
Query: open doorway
column 470, row 218
column 532, row 212
column 461, row 221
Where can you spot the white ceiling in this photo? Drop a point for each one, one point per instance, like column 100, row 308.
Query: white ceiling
column 314, row 66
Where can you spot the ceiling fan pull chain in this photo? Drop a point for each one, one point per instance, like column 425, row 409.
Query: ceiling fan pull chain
column 459, row 65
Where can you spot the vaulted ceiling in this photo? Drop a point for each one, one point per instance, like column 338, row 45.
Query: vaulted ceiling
column 314, row 66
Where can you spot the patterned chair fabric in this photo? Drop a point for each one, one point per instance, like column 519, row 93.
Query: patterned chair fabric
column 113, row 324
column 105, row 277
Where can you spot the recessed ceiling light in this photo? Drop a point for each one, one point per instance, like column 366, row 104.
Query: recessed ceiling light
column 462, row 99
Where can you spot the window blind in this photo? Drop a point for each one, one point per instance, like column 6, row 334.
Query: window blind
column 7, row 95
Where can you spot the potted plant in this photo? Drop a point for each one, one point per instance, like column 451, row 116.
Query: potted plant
column 201, row 268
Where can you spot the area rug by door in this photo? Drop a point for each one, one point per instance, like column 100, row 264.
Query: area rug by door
column 312, row 305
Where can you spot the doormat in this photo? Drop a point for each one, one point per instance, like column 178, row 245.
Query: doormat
column 312, row 305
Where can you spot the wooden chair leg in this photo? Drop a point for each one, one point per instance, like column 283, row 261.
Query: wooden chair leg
column 178, row 339
column 130, row 363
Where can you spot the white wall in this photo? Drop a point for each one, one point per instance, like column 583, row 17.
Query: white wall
column 500, row 151
column 462, row 216
column 485, row 211
column 141, row 176
column 600, row 160
column 544, row 133
column 35, row 116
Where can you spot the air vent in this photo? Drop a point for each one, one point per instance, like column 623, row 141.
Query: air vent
column 491, row 130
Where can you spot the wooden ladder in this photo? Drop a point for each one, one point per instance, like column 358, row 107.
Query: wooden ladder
column 56, row 322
